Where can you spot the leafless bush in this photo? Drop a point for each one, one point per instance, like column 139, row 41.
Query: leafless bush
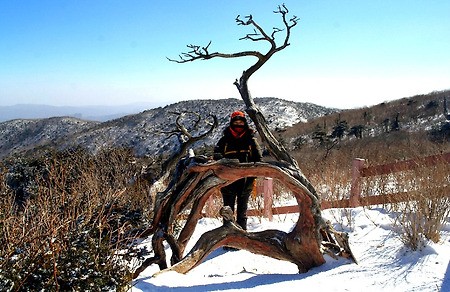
column 75, row 229
column 418, row 200
column 333, row 184
column 424, row 206
column 425, row 187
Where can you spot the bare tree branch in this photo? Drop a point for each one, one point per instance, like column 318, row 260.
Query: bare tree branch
column 288, row 24
column 197, row 178
column 304, row 245
column 274, row 147
column 200, row 54
column 185, row 136
column 197, row 52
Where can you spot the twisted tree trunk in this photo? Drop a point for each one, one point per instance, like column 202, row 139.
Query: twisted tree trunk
column 196, row 178
column 199, row 179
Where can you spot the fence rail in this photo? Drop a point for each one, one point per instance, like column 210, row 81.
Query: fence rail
column 358, row 172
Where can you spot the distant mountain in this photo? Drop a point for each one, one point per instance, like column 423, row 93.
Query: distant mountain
column 93, row 113
column 147, row 132
column 21, row 135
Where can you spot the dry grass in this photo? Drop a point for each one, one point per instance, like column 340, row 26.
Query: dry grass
column 422, row 203
column 79, row 218
column 67, row 218
column 426, row 189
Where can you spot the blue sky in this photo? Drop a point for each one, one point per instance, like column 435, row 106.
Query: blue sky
column 343, row 54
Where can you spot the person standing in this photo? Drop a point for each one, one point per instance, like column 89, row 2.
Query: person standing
column 238, row 142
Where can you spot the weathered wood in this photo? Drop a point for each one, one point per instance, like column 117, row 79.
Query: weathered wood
column 186, row 138
column 302, row 246
column 269, row 243
column 195, row 179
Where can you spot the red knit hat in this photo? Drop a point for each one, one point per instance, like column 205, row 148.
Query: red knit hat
column 238, row 115
column 238, row 131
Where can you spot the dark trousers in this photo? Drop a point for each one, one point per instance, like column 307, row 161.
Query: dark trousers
column 238, row 193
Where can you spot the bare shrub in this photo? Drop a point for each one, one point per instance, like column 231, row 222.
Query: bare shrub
column 418, row 200
column 332, row 178
column 425, row 204
column 331, row 174
column 75, row 230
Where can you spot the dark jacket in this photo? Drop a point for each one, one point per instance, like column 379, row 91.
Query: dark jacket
column 246, row 149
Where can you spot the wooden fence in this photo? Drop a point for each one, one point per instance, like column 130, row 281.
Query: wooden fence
column 359, row 171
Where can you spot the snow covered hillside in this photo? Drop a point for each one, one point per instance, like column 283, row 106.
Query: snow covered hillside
column 384, row 263
column 21, row 135
column 145, row 131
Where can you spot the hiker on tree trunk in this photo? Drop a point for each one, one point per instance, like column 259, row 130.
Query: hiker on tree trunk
column 238, row 142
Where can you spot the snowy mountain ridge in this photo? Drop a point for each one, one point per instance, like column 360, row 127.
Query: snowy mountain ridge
column 147, row 132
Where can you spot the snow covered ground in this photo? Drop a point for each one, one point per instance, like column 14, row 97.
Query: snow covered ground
column 384, row 263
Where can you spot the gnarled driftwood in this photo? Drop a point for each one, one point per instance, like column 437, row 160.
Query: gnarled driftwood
column 196, row 178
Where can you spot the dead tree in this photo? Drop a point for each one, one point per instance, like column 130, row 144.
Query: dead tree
column 183, row 131
column 197, row 178
column 185, row 137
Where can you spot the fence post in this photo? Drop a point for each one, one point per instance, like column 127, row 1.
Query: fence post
column 268, row 198
column 355, row 192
